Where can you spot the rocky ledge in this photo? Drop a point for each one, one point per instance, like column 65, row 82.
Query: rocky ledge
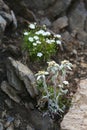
column 76, row 118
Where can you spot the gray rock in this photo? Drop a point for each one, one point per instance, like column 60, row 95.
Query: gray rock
column 2, row 24
column 58, row 7
column 21, row 9
column 3, row 6
column 77, row 17
column 20, row 76
column 52, row 7
column 13, row 79
column 1, row 126
column 10, row 91
column 45, row 21
column 60, row 23
column 42, row 123
column 76, row 118
column 10, row 18
column 14, row 50
column 39, row 4
column 66, row 36
column 82, row 36
column 68, row 41
column 6, row 16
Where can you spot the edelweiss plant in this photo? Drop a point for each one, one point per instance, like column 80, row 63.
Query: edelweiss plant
column 53, row 86
column 40, row 43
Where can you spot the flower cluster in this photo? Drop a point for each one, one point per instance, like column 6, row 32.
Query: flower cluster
column 40, row 43
column 53, row 85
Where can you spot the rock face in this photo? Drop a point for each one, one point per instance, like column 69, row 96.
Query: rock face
column 1, row 126
column 20, row 77
column 60, row 15
column 45, row 21
column 2, row 26
column 58, row 7
column 10, row 92
column 60, row 23
column 6, row 17
column 3, row 6
column 21, row 8
column 6, row 13
column 82, row 36
column 42, row 123
column 43, row 4
column 77, row 17
column 76, row 118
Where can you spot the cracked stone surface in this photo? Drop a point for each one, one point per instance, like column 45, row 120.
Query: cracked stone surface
column 76, row 118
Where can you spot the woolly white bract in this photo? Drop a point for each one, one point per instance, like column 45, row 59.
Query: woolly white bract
column 53, row 86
